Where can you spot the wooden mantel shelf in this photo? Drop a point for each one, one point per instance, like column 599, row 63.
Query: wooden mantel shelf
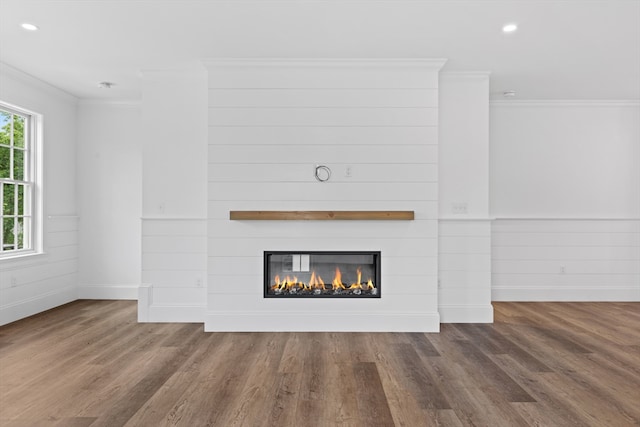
column 321, row 215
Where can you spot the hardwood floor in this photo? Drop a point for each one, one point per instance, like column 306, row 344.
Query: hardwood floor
column 89, row 363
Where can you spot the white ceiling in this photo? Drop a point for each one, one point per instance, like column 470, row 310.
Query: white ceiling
column 564, row 49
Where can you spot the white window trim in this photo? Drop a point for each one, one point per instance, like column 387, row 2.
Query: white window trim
column 35, row 137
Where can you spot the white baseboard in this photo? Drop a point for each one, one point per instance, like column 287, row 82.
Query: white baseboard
column 320, row 322
column 176, row 314
column 124, row 292
column 604, row 294
column 25, row 308
column 466, row 313
column 150, row 313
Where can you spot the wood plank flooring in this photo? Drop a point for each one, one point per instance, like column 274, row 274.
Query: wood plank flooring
column 89, row 363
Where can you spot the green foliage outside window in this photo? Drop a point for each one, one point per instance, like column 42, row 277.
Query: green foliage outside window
column 12, row 173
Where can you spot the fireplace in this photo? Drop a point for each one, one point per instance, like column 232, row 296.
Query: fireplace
column 337, row 274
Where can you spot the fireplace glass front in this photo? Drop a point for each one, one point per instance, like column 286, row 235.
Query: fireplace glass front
column 321, row 274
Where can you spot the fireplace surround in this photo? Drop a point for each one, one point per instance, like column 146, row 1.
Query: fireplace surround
column 322, row 274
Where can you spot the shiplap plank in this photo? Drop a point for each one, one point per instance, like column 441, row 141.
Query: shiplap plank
column 173, row 261
column 326, row 97
column 169, row 296
column 567, row 252
column 322, row 191
column 566, row 226
column 61, row 238
column 287, row 172
column 342, row 231
column 50, row 284
column 237, row 246
column 174, row 227
column 322, row 154
column 572, row 280
column 603, row 267
column 174, row 278
column 465, row 244
column 39, row 273
column 343, row 116
column 392, row 303
column 318, row 135
column 322, row 74
column 174, row 244
column 545, row 239
column 465, row 262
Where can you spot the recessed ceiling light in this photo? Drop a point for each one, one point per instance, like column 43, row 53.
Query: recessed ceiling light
column 29, row 27
column 509, row 28
column 509, row 93
column 106, row 85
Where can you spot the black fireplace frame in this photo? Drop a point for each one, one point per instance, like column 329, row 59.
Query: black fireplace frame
column 377, row 268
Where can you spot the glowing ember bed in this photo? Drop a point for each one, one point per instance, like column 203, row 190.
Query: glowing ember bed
column 326, row 274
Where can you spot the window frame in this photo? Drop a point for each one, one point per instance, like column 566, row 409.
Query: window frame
column 31, row 182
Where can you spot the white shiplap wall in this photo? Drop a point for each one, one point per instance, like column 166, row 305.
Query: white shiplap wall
column 566, row 259
column 464, row 261
column 36, row 283
column 270, row 123
column 174, row 264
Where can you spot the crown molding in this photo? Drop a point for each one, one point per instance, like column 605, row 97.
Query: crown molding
column 431, row 63
column 127, row 103
column 19, row 75
column 465, row 74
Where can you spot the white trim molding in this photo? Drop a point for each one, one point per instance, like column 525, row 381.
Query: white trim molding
column 320, row 322
column 431, row 63
column 466, row 313
column 120, row 292
column 28, row 307
column 148, row 312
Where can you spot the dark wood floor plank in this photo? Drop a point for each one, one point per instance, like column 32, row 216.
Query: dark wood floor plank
column 422, row 344
column 372, row 402
column 493, row 373
column 404, row 406
column 419, row 379
column 89, row 363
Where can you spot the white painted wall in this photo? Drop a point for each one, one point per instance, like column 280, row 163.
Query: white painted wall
column 110, row 199
column 565, row 187
column 464, row 250
column 174, row 195
column 37, row 283
column 565, row 159
column 270, row 123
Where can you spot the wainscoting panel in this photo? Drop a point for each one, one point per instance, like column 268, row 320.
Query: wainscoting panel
column 566, row 260
column 174, row 270
column 464, row 266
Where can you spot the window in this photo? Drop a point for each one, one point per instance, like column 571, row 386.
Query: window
column 18, row 181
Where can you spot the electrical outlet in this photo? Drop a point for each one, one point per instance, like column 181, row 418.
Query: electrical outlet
column 14, row 281
column 348, row 171
column 199, row 282
column 563, row 270
column 459, row 208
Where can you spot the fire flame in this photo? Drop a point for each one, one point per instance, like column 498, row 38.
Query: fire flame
column 317, row 284
column 357, row 285
column 337, row 281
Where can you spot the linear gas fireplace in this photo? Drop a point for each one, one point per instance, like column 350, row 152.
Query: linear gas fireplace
column 325, row 274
